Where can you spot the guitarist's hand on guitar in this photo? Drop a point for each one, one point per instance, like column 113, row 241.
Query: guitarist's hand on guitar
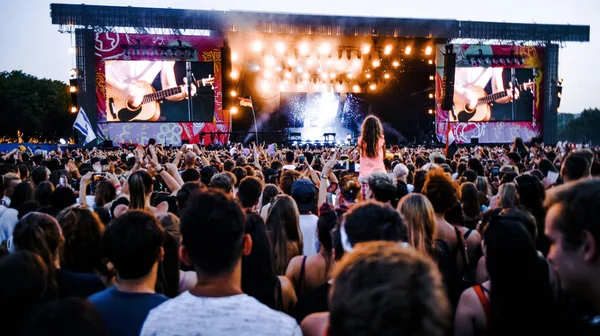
column 510, row 94
column 135, row 96
column 184, row 89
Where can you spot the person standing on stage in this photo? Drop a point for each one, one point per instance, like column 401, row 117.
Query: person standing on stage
column 371, row 146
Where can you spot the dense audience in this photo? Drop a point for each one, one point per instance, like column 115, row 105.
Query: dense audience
column 352, row 240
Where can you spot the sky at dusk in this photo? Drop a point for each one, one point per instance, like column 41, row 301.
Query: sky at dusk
column 31, row 43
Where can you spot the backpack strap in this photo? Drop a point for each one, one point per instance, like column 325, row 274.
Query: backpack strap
column 485, row 302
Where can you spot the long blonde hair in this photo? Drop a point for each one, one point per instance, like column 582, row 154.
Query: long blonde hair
column 420, row 220
column 508, row 196
column 371, row 131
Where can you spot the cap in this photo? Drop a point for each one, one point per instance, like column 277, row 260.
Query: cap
column 304, row 193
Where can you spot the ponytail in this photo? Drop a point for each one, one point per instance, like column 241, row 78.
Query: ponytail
column 140, row 184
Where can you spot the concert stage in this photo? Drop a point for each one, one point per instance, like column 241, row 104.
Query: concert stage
column 289, row 74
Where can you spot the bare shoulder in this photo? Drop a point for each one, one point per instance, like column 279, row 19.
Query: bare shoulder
column 294, row 267
column 315, row 324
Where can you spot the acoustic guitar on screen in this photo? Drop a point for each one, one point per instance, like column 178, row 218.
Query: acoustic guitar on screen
column 481, row 111
column 120, row 104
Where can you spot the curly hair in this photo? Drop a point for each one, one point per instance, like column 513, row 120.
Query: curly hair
column 441, row 191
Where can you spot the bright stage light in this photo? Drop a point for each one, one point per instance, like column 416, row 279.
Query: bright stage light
column 428, row 50
column 431, row 77
column 324, row 75
column 356, row 63
column 233, row 93
column 340, row 87
column 234, row 57
column 280, row 47
column 368, row 75
column 62, row 141
column 268, row 74
column 332, row 75
column 325, row 49
column 309, row 61
column 288, row 75
column 305, row 75
column 372, row 87
column 73, row 109
column 304, row 49
column 282, row 86
column 257, row 46
column 431, row 96
column 265, row 85
column 279, row 68
column 72, row 89
column 386, row 76
column 299, row 69
column 366, row 48
column 234, row 110
column 388, row 49
column 269, row 60
column 408, row 50
column 376, row 63
column 395, row 64
column 291, row 62
column 430, row 111
column 350, row 75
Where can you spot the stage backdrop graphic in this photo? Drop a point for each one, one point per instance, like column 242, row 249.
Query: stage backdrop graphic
column 132, row 47
column 477, row 66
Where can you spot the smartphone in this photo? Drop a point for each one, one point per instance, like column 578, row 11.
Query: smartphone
column 552, row 177
column 495, row 170
column 356, row 167
column 62, row 181
column 190, row 147
column 98, row 177
column 301, row 158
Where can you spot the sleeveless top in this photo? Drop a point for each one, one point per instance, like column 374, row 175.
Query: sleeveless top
column 370, row 165
column 302, row 281
column 279, row 297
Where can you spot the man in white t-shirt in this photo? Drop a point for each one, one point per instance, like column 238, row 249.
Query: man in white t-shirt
column 304, row 193
column 214, row 241
column 289, row 161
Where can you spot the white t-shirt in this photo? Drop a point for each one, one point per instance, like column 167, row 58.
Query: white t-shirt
column 264, row 212
column 236, row 315
column 308, row 227
column 289, row 167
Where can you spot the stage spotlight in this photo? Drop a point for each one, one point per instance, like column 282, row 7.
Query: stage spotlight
column 350, row 75
column 234, row 57
column 62, row 141
column 431, row 96
column 257, row 46
column 368, row 75
column 428, row 50
column 332, row 75
column 325, row 49
column 357, row 63
column 72, row 89
column 430, row 61
column 269, row 60
column 386, row 76
column 408, row 50
column 430, row 111
column 288, row 75
column 280, row 47
column 366, row 48
column 73, row 72
column 395, row 64
column 265, row 86
column 233, row 93
column 373, row 87
column 291, row 62
column 299, row 69
column 268, row 74
column 234, row 110
column 305, row 75
column 376, row 63
column 282, row 86
column 356, row 88
column 431, row 78
column 304, row 49
column 388, row 49
column 73, row 109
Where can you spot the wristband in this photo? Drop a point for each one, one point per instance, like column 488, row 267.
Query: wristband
column 161, row 169
column 117, row 186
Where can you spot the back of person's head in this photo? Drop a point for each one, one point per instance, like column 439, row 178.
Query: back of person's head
column 350, row 188
column 537, row 174
column 520, row 290
column 228, row 165
column 82, row 230
column 140, row 187
column 269, row 193
column 419, row 182
column 105, row 193
column 287, row 179
column 276, row 166
column 63, row 197
column 470, row 175
column 133, row 243
column 283, row 226
column 586, row 153
column 289, row 157
column 371, row 131
column 531, row 193
column 171, row 224
column 259, row 278
column 239, row 173
column 68, row 317
column 476, row 166
column 189, row 159
column 39, row 175
column 514, row 156
column 401, row 172
column 240, row 161
column 23, row 170
column 249, row 191
column 212, row 228
column 43, row 193
column 24, row 192
column 546, row 166
column 441, row 191
column 327, row 222
column 418, row 214
column 27, row 208
column 525, row 218
column 575, row 167
column 223, row 182
column 384, row 221
column 461, row 168
column 383, row 187
column 187, row 191
column 305, row 194
column 382, row 288
column 508, row 196
column 190, row 175
column 206, row 173
column 23, row 287
column 469, row 197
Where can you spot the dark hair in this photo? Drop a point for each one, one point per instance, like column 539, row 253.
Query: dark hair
column 419, row 180
column 327, row 222
column 206, row 174
column 441, row 191
column 259, row 278
column 213, row 233
column 520, row 302
column 350, row 188
column 385, row 289
column 283, row 227
column 476, row 166
column 24, row 192
column 287, row 179
column 578, row 210
column 249, row 191
column 24, row 286
column 371, row 131
column 40, row 234
column 470, row 175
column 105, row 193
column 223, row 181
column 68, row 317
column 39, row 175
column 228, row 165
column 27, row 208
column 532, row 194
column 43, row 193
column 469, row 197
column 83, row 251
column 383, row 187
column 190, row 175
column 63, row 197
column 289, row 156
column 140, row 186
column 575, row 167
column 385, row 223
column 186, row 192
column 269, row 193
column 546, row 166
column 23, row 170
column 455, row 215
column 239, row 173
column 514, row 156
column 132, row 243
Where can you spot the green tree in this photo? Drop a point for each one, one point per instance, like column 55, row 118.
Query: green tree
column 584, row 129
column 39, row 108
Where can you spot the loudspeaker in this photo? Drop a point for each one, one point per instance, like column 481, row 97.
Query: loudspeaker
column 474, row 141
column 107, row 144
column 449, row 70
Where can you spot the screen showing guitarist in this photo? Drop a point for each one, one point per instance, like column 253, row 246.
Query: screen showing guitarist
column 136, row 89
column 488, row 94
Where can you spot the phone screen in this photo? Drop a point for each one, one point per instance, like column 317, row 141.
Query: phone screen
column 552, row 177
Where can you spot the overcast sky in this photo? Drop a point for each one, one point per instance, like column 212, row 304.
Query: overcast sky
column 30, row 43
